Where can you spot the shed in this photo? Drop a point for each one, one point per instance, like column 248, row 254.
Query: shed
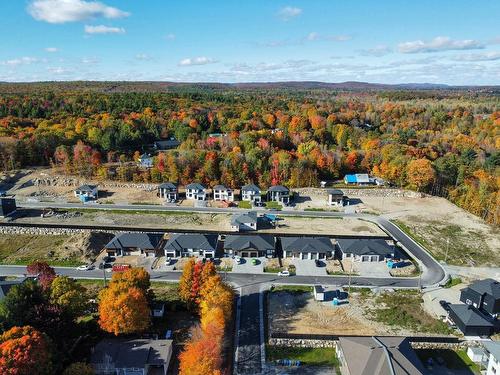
column 319, row 293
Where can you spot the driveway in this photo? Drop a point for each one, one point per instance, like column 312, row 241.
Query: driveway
column 432, row 298
column 306, row 267
column 373, row 269
column 246, row 266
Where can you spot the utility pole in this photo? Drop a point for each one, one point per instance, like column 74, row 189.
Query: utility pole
column 350, row 276
column 104, row 274
column 447, row 248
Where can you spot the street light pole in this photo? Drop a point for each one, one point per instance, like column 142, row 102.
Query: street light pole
column 447, row 248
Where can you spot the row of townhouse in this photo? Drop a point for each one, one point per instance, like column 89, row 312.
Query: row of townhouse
column 258, row 245
column 169, row 192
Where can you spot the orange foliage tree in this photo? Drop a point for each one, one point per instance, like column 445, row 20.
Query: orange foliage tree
column 420, row 173
column 25, row 351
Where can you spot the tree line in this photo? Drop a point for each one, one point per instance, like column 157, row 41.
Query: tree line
column 443, row 144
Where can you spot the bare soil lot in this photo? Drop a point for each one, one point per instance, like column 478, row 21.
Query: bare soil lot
column 398, row 313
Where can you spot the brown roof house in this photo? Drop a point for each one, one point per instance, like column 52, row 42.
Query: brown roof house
column 377, row 356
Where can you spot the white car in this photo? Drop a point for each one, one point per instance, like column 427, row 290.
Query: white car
column 284, row 273
column 84, row 267
column 168, row 261
column 237, row 260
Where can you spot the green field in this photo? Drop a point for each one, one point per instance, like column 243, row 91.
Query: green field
column 307, row 356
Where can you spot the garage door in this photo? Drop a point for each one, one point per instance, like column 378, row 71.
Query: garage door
column 374, row 258
column 244, row 254
column 314, row 255
column 365, row 258
column 254, row 254
column 303, row 256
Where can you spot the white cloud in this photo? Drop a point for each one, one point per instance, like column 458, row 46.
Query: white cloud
column 61, row 11
column 90, row 60
column 59, row 70
column 20, row 61
column 51, row 49
column 200, row 60
column 378, row 51
column 170, row 36
column 438, row 44
column 287, row 13
column 101, row 29
column 143, row 56
column 487, row 56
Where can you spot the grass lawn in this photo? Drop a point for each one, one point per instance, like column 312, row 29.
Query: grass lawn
column 402, row 308
column 128, row 211
column 454, row 360
column 314, row 209
column 307, row 356
column 452, row 282
column 245, row 204
column 292, row 288
column 450, row 243
column 272, row 205
column 273, row 269
column 23, row 249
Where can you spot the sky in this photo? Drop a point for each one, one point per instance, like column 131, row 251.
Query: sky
column 453, row 42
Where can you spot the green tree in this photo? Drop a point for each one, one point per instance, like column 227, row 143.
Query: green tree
column 69, row 295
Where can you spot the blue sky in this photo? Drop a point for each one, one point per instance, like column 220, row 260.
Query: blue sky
column 384, row 41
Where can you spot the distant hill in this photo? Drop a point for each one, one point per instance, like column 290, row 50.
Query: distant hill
column 157, row 86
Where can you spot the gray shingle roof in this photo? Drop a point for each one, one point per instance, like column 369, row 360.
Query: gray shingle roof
column 493, row 347
column 181, row 242
column 279, row 188
column 220, row 187
column 167, row 185
column 195, row 186
column 307, row 244
column 245, row 218
column 380, row 356
column 335, row 192
column 486, row 286
column 366, row 246
column 469, row 315
column 251, row 187
column 167, row 143
column 135, row 240
column 262, row 242
column 86, row 187
column 6, row 285
column 125, row 353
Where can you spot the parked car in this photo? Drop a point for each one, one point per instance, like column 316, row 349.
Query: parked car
column 237, row 259
column 120, row 267
column 108, row 259
column 284, row 273
column 258, row 204
column 168, row 261
column 255, row 262
column 85, row 267
column 318, row 263
column 3, row 193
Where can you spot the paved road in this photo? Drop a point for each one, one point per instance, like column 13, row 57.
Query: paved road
column 238, row 279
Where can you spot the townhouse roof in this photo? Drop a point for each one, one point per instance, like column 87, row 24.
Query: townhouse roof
column 469, row 315
column 486, row 286
column 307, row 244
column 167, row 185
column 251, row 187
column 86, row 187
column 195, row 186
column 183, row 241
column 220, row 187
column 365, row 246
column 335, row 192
column 493, row 347
column 261, row 242
column 135, row 240
column 279, row 188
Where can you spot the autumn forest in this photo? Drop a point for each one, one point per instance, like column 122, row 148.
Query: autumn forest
column 441, row 142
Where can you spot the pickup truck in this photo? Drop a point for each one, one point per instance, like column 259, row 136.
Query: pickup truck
column 120, row 267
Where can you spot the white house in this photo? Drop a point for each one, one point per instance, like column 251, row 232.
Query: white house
column 196, row 192
column 493, row 349
column 244, row 222
column 251, row 193
column 222, row 193
column 168, row 192
column 279, row 193
column 87, row 192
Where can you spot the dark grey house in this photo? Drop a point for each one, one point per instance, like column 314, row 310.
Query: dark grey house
column 168, row 192
column 279, row 193
column 307, row 247
column 7, row 206
column 131, row 356
column 147, row 244
column 166, row 144
column 368, row 250
column 336, row 197
column 251, row 246
column 189, row 245
column 484, row 295
column 470, row 320
column 377, row 356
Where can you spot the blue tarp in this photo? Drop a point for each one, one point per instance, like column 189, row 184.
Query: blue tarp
column 350, row 178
